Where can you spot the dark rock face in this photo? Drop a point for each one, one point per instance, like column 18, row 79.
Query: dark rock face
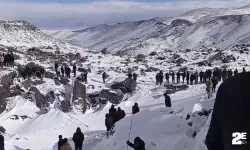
column 119, row 85
column 180, row 22
column 4, row 93
column 152, row 69
column 130, row 84
column 49, row 75
column 83, row 70
column 36, row 96
column 2, row 130
column 171, row 89
column 7, row 79
column 153, row 54
column 79, row 95
column 141, row 57
column 115, row 97
column 63, row 80
column 16, row 90
column 26, row 84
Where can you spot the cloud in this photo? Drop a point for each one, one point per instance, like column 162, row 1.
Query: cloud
column 90, row 13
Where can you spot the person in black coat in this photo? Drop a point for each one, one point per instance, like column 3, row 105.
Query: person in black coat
column 108, row 122
column 167, row 100
column 230, row 114
column 85, row 75
column 244, row 70
column 120, row 114
column 62, row 70
column 78, row 139
column 1, row 142
column 214, row 83
column 135, row 76
column 235, row 72
column 112, row 110
column 201, row 76
column 135, row 109
column 178, row 77
column 183, row 76
column 74, row 70
column 188, row 77
column 139, row 144
column 104, row 76
column 60, row 142
column 167, row 77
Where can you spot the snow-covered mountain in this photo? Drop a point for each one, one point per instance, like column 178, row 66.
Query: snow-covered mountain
column 24, row 35
column 220, row 28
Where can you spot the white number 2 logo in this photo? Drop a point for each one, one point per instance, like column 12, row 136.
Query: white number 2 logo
column 237, row 137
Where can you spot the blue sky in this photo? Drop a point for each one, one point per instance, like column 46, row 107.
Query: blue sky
column 67, row 13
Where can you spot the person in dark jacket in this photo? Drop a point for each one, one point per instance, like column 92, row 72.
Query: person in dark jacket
column 161, row 77
column 120, row 114
column 167, row 100
column 183, row 76
column 230, row 114
column 178, row 77
column 157, row 78
column 167, row 77
column 42, row 71
column 67, row 71
column 60, row 142
column 235, row 72
column 74, row 70
column 244, row 70
column 78, row 139
column 214, row 83
column 187, row 77
column 139, row 144
column 135, row 76
column 56, row 66
column 112, row 110
column 230, row 73
column 173, row 77
column 135, row 109
column 109, row 122
column 104, row 77
column 201, row 76
column 62, row 70
column 85, row 75
column 1, row 142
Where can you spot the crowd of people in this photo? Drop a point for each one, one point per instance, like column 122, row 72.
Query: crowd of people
column 7, row 60
column 78, row 139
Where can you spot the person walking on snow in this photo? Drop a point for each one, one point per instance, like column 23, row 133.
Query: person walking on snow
column 214, row 82
column 74, row 69
column 244, row 70
column 167, row 100
column 173, row 77
column 66, row 145
column 62, row 70
column 135, row 76
column 167, row 77
column 60, row 142
column 78, row 139
column 139, row 144
column 104, row 77
column 135, row 109
column 209, row 88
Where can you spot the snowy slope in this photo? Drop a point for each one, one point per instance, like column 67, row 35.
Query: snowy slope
column 201, row 27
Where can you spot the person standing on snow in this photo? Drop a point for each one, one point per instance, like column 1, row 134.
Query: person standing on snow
column 62, row 70
column 1, row 60
column 78, row 139
column 1, row 142
column 74, row 69
column 109, row 122
column 167, row 77
column 209, row 88
column 167, row 100
column 135, row 76
column 178, row 77
column 214, row 82
column 244, row 70
column 135, row 109
column 173, row 77
column 60, row 142
column 139, row 144
column 66, row 145
column 104, row 77
column 184, row 74
column 235, row 72
column 230, row 114
column 201, row 76
column 188, row 77
column 85, row 75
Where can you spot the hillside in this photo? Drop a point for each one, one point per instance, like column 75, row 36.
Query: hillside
column 220, row 28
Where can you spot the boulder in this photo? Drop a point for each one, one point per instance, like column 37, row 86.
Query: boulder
column 16, row 90
column 26, row 84
column 50, row 75
column 141, row 57
column 2, row 129
column 113, row 96
column 83, row 70
column 79, row 95
column 63, row 80
column 153, row 54
column 38, row 82
column 37, row 97
column 119, row 85
column 152, row 69
column 172, row 88
column 130, row 84
column 7, row 79
column 104, row 51
column 180, row 61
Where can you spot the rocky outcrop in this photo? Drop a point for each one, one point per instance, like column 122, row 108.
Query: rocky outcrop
column 4, row 93
column 37, row 97
column 7, row 78
column 171, row 89
column 79, row 96
column 26, row 84
column 113, row 96
column 130, row 84
column 49, row 75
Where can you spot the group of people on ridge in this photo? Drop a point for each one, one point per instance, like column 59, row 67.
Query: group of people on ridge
column 7, row 60
column 113, row 116
column 78, row 139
